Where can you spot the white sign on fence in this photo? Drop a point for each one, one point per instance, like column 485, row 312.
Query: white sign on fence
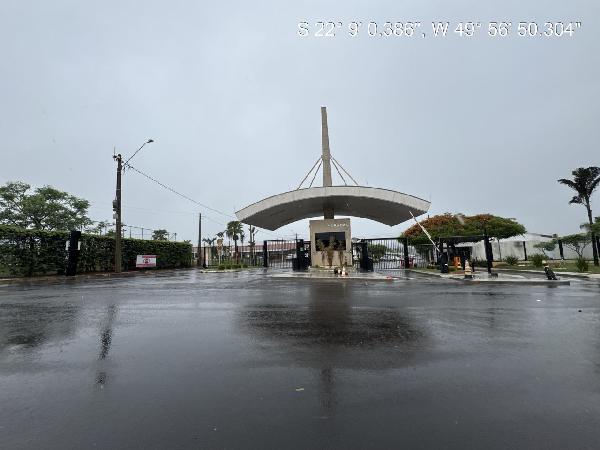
column 145, row 261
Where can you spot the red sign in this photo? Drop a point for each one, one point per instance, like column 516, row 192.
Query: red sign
column 145, row 261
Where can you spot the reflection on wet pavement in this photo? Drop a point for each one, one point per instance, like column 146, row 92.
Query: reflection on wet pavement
column 189, row 360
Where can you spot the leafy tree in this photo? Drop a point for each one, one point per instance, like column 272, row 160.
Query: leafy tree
column 496, row 226
column 546, row 246
column 45, row 208
column 577, row 242
column 160, row 235
column 584, row 183
column 446, row 225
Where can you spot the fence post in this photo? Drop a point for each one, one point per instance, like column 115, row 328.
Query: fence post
column 489, row 255
column 444, row 257
column 265, row 254
column 525, row 250
column 560, row 249
column 364, row 256
column 405, row 248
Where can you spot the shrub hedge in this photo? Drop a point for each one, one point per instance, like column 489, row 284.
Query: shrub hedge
column 35, row 252
column 537, row 260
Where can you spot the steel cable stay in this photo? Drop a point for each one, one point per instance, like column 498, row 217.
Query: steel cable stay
column 338, row 171
column 315, row 176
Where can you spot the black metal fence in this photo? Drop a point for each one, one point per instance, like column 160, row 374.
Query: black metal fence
column 227, row 255
column 391, row 254
column 279, row 253
column 275, row 253
column 379, row 254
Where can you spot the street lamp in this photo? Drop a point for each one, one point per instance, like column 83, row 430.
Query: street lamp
column 149, row 141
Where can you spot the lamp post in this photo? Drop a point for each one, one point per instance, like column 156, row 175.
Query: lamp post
column 117, row 205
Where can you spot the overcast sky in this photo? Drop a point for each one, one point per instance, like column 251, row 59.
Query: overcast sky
column 231, row 95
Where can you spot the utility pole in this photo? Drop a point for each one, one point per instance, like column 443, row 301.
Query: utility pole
column 117, row 210
column 117, row 204
column 199, row 240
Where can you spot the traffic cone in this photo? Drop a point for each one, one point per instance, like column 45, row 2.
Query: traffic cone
column 468, row 271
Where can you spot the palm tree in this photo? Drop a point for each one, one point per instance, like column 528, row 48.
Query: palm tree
column 211, row 245
column 253, row 232
column 220, row 235
column 242, row 236
column 209, row 241
column 585, row 181
column 233, row 231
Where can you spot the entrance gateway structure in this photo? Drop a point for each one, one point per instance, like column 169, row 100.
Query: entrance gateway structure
column 331, row 238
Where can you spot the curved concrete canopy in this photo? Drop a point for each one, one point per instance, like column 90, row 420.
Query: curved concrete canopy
column 382, row 205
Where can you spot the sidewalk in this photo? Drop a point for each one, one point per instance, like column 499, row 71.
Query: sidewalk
column 86, row 276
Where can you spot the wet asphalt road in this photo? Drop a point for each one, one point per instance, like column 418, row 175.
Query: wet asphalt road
column 190, row 360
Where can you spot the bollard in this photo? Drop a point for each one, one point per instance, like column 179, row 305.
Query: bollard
column 549, row 273
column 73, row 253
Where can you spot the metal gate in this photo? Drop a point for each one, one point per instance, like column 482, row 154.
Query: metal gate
column 281, row 254
column 382, row 254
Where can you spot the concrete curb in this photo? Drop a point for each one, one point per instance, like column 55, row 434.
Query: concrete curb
column 528, row 282
column 426, row 273
column 371, row 276
column 588, row 276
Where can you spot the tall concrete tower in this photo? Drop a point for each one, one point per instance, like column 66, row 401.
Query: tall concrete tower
column 326, row 158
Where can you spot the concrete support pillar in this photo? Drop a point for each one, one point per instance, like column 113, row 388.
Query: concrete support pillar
column 561, row 250
column 328, row 212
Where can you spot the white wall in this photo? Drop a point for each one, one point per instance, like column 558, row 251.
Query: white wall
column 515, row 248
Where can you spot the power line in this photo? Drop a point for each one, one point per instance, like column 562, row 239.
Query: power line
column 191, row 213
column 178, row 193
column 190, row 199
